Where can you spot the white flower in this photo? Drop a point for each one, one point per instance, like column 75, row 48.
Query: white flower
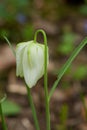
column 30, row 61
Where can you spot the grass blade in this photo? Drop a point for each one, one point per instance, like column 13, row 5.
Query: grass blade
column 67, row 65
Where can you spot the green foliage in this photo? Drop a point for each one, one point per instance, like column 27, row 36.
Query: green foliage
column 63, row 118
column 83, row 10
column 27, row 32
column 4, row 32
column 82, row 97
column 77, row 73
column 60, row 127
column 68, row 71
column 64, row 114
column 67, row 43
column 10, row 108
column 65, row 85
column 3, row 12
column 80, row 72
column 13, row 14
column 67, row 65
column 17, row 4
column 10, row 8
column 85, row 1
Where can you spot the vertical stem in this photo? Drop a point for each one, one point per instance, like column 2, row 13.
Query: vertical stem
column 46, row 97
column 45, row 78
column 84, row 104
column 33, row 108
column 2, row 118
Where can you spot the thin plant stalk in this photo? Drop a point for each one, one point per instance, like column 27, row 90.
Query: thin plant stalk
column 2, row 115
column 2, row 118
column 33, row 108
column 10, row 45
column 84, row 104
column 29, row 93
column 45, row 79
column 67, row 65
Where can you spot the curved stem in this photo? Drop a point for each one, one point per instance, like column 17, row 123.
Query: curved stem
column 10, row 45
column 66, row 65
column 45, row 77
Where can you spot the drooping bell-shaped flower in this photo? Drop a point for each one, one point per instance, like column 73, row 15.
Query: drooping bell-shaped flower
column 30, row 61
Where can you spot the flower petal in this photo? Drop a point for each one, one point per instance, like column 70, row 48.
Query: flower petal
column 19, row 55
column 30, row 61
column 33, row 64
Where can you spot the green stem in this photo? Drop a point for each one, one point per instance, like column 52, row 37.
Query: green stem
column 2, row 115
column 10, row 45
column 33, row 108
column 29, row 93
column 84, row 104
column 45, row 78
column 67, row 65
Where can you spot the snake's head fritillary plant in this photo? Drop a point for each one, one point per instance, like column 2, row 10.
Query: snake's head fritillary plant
column 30, row 61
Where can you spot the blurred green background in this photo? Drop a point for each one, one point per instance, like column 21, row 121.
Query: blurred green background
column 20, row 18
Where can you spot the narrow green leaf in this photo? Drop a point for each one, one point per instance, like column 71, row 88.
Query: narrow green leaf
column 10, row 108
column 67, row 65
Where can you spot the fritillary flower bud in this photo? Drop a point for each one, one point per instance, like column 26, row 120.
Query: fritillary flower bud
column 30, row 61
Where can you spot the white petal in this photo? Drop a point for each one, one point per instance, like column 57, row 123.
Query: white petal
column 33, row 64
column 19, row 56
column 30, row 62
column 37, row 60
